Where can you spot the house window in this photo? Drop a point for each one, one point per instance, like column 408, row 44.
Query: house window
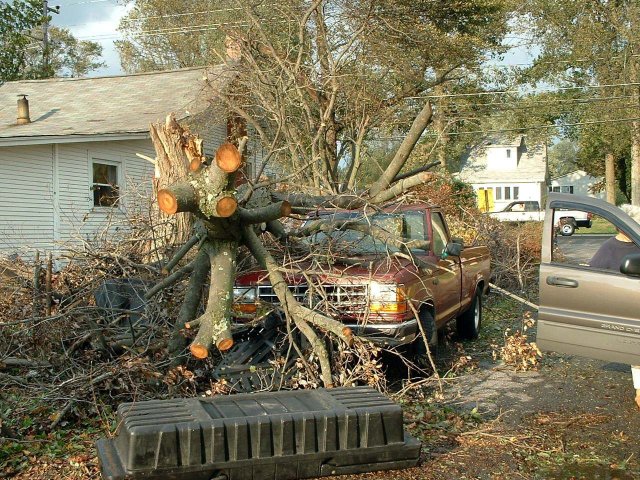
column 516, row 193
column 508, row 153
column 562, row 189
column 105, row 185
column 498, row 193
column 507, row 193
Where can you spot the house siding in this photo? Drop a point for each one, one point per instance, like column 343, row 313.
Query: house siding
column 535, row 191
column 581, row 183
column 45, row 191
column 79, row 220
column 26, row 196
column 46, row 197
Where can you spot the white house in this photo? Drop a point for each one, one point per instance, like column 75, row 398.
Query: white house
column 70, row 168
column 504, row 169
column 578, row 182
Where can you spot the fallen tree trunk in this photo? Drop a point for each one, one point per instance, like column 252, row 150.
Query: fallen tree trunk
column 207, row 190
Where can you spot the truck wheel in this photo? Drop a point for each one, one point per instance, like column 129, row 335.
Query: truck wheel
column 567, row 229
column 429, row 326
column 468, row 322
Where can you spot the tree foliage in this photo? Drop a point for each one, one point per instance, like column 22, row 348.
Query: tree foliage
column 587, row 43
column 21, row 52
column 168, row 34
column 17, row 19
column 320, row 80
column 318, row 83
column 67, row 56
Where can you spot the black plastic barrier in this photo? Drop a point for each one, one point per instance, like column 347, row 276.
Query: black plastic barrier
column 262, row 436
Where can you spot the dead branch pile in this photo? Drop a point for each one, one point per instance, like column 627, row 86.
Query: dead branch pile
column 82, row 358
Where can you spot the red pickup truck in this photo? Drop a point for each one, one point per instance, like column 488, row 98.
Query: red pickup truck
column 374, row 286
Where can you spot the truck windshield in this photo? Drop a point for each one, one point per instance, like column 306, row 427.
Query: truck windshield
column 404, row 226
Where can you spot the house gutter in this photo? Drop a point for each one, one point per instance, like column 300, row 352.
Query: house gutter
column 77, row 138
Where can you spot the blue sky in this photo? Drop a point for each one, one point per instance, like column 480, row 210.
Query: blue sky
column 95, row 20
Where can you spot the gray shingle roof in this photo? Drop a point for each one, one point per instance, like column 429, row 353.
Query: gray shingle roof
column 532, row 166
column 107, row 105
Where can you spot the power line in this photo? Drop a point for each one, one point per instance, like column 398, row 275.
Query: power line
column 91, row 1
column 535, row 127
column 173, row 15
column 179, row 30
column 577, row 100
column 517, row 92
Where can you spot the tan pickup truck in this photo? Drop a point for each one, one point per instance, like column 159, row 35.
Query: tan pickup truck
column 373, row 286
column 584, row 310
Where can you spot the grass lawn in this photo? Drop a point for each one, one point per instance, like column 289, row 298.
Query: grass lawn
column 598, row 225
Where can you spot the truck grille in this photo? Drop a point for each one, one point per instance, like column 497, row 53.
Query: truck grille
column 328, row 298
column 266, row 293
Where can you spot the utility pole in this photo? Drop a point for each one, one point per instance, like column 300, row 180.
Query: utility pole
column 45, row 34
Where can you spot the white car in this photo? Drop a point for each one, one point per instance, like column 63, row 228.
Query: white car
column 566, row 221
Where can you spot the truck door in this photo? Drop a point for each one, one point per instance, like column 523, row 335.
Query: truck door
column 588, row 311
column 447, row 277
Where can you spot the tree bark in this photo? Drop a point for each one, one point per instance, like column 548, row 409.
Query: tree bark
column 635, row 134
column 265, row 214
column 47, row 285
column 610, row 177
column 189, row 308
column 440, row 126
column 215, row 323
column 172, row 165
column 177, row 198
column 422, row 121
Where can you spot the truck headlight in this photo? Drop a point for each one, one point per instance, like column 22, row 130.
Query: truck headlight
column 386, row 298
column 244, row 299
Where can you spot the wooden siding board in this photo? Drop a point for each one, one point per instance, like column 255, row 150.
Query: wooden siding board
column 27, row 175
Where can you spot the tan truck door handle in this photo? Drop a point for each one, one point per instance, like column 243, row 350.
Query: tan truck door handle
column 562, row 282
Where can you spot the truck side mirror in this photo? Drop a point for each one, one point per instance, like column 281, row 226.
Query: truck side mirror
column 454, row 248
column 458, row 240
column 631, row 265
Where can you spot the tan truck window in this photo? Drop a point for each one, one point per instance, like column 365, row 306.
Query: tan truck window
column 580, row 248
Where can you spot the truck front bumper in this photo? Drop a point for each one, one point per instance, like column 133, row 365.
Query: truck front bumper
column 387, row 334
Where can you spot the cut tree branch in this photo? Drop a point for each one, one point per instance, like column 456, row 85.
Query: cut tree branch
column 422, row 121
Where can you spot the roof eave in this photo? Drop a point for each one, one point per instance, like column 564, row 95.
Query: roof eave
column 75, row 138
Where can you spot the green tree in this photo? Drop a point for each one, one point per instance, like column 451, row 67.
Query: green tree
column 319, row 80
column 17, row 19
column 68, row 56
column 167, row 34
column 562, row 158
column 21, row 52
column 594, row 42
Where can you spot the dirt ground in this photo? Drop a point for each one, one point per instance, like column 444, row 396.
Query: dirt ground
column 572, row 418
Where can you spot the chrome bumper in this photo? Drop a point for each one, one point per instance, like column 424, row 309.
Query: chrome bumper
column 387, row 334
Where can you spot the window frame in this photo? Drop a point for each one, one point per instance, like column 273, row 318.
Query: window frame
column 96, row 158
